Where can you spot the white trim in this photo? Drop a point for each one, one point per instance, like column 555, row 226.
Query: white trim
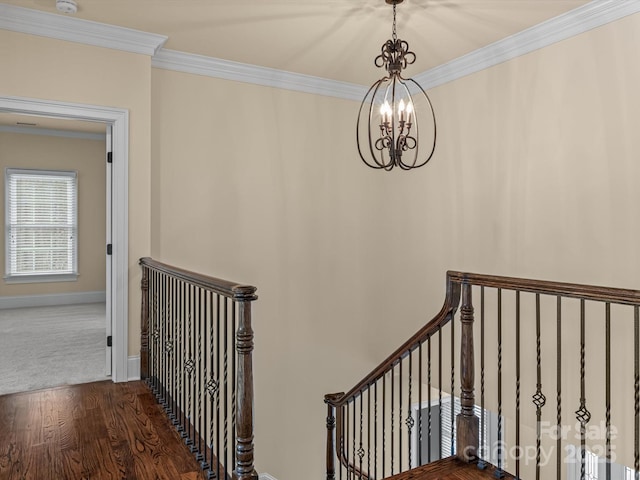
column 61, row 27
column 266, row 476
column 579, row 20
column 119, row 119
column 52, row 132
column 133, row 368
column 268, row 77
column 51, row 299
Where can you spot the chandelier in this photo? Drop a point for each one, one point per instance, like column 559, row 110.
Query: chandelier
column 395, row 113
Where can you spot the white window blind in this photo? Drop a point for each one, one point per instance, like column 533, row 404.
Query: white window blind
column 41, row 223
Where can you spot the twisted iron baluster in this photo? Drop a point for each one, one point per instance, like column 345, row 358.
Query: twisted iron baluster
column 518, row 383
column 499, row 473
column 558, row 386
column 410, row 421
column 538, row 398
column 453, row 387
column 428, row 400
column 439, row 390
column 375, row 429
column 607, row 350
column 369, row 430
column 198, row 386
column 384, row 414
column 393, row 391
column 225, row 368
column 361, row 451
column 582, row 414
column 636, row 362
column 400, row 421
column 482, row 464
column 419, row 404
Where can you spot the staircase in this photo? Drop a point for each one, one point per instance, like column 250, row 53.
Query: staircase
column 539, row 379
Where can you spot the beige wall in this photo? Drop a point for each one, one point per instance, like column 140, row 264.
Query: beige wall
column 87, row 158
column 37, row 67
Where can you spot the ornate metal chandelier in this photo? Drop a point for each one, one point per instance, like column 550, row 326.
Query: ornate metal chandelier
column 395, row 113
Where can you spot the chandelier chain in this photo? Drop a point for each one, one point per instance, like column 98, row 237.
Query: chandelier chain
column 394, row 36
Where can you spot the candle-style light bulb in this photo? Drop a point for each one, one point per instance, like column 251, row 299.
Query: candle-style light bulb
column 401, row 109
column 409, row 110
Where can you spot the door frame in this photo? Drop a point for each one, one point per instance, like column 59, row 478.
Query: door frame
column 118, row 118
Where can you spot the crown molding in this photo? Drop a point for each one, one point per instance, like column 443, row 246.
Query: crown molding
column 61, row 27
column 268, row 77
column 579, row 20
column 52, row 132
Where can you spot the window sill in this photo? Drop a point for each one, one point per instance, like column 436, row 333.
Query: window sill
column 66, row 277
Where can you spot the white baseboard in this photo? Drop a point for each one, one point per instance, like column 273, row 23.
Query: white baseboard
column 266, row 476
column 133, row 368
column 52, row 299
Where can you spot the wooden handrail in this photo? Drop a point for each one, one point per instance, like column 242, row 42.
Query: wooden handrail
column 447, row 312
column 545, row 287
column 217, row 285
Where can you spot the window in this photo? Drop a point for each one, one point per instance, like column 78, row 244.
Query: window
column 40, row 225
column 443, row 440
column 595, row 467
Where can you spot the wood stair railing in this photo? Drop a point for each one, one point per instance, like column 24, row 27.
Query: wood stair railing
column 558, row 397
column 196, row 356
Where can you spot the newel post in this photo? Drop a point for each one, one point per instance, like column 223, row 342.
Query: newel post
column 331, row 426
column 144, row 325
column 244, row 468
column 467, row 423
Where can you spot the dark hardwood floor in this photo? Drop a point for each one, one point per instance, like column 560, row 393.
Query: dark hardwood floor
column 100, row 430
column 449, row 469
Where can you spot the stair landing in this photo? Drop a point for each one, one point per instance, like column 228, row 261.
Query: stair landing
column 449, row 469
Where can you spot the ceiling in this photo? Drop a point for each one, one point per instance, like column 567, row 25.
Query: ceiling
column 333, row 39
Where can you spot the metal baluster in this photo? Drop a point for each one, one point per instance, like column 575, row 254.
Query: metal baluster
column 518, row 384
column 226, row 384
column 384, row 429
column 361, row 448
column 393, row 394
column 353, row 442
column 559, row 387
column 582, row 414
column 368, row 430
column 375, row 430
column 219, row 392
column 173, row 352
column 482, row 464
column 346, row 442
column 201, row 372
column 208, row 347
column 184, row 320
column 429, row 432
column 400, row 420
column 538, row 398
column 189, row 366
column 453, row 387
column 419, row 405
column 340, row 445
column 499, row 472
column 607, row 350
column 636, row 363
column 410, row 421
column 439, row 391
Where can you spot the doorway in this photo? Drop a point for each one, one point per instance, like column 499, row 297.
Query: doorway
column 117, row 121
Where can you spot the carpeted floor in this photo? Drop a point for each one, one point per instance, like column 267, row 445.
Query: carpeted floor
column 43, row 347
